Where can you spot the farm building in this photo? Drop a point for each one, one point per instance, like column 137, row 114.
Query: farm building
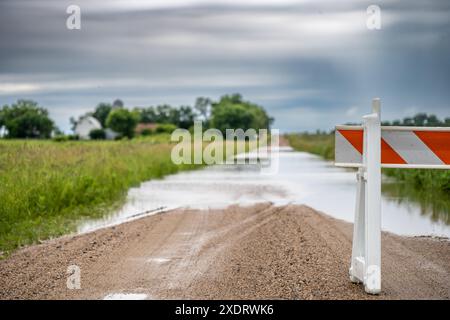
column 85, row 126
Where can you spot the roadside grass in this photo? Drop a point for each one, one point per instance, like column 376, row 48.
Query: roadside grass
column 47, row 187
column 321, row 144
column 435, row 182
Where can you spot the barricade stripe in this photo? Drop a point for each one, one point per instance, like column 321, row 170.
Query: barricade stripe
column 438, row 142
column 410, row 147
column 389, row 155
column 355, row 137
column 344, row 151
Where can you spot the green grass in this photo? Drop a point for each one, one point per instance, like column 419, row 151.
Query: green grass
column 46, row 187
column 422, row 179
column 321, row 144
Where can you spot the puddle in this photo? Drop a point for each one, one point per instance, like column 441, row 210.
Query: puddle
column 126, row 296
column 158, row 260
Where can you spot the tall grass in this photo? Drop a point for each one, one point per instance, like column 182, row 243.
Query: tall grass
column 321, row 144
column 423, row 179
column 45, row 187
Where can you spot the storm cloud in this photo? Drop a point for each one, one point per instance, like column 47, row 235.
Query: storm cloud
column 312, row 64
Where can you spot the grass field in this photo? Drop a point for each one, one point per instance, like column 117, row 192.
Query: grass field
column 321, row 144
column 45, row 186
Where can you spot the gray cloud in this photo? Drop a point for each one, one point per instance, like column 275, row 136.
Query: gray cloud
column 307, row 62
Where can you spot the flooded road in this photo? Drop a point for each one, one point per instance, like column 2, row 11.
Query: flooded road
column 302, row 178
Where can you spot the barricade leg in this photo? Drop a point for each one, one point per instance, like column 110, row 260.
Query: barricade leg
column 358, row 246
column 372, row 128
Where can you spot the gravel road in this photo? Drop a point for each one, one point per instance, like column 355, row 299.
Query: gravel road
column 257, row 252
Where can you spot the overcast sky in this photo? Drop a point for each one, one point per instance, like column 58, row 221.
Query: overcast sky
column 310, row 63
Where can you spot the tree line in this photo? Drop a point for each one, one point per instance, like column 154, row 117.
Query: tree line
column 26, row 119
column 420, row 120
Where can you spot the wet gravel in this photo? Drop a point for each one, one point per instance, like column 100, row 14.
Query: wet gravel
column 257, row 252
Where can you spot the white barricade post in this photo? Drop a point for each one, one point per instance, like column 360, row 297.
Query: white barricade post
column 368, row 148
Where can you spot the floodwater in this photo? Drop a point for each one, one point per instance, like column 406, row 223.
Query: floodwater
column 301, row 178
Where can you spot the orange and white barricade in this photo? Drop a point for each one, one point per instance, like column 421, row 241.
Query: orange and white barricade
column 369, row 148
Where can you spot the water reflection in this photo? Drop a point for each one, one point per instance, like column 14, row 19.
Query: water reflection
column 434, row 205
column 302, row 178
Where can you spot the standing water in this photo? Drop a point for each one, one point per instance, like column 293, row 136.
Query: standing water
column 302, row 178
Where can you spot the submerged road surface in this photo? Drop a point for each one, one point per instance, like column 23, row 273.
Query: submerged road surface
column 256, row 252
column 302, row 178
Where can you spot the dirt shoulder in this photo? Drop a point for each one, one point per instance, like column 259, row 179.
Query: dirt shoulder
column 258, row 252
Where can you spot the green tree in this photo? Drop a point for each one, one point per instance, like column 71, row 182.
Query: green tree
column 420, row 119
column 163, row 113
column 101, row 112
column 447, row 122
column 232, row 112
column 25, row 119
column 122, row 121
column 203, row 106
column 182, row 117
column 97, row 134
column 231, row 116
column 433, row 121
column 174, row 116
column 146, row 115
column 408, row 121
column 186, row 117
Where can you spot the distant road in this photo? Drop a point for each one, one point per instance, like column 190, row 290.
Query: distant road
column 258, row 252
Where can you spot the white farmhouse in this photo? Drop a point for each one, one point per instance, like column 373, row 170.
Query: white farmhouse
column 85, row 126
column 3, row 131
